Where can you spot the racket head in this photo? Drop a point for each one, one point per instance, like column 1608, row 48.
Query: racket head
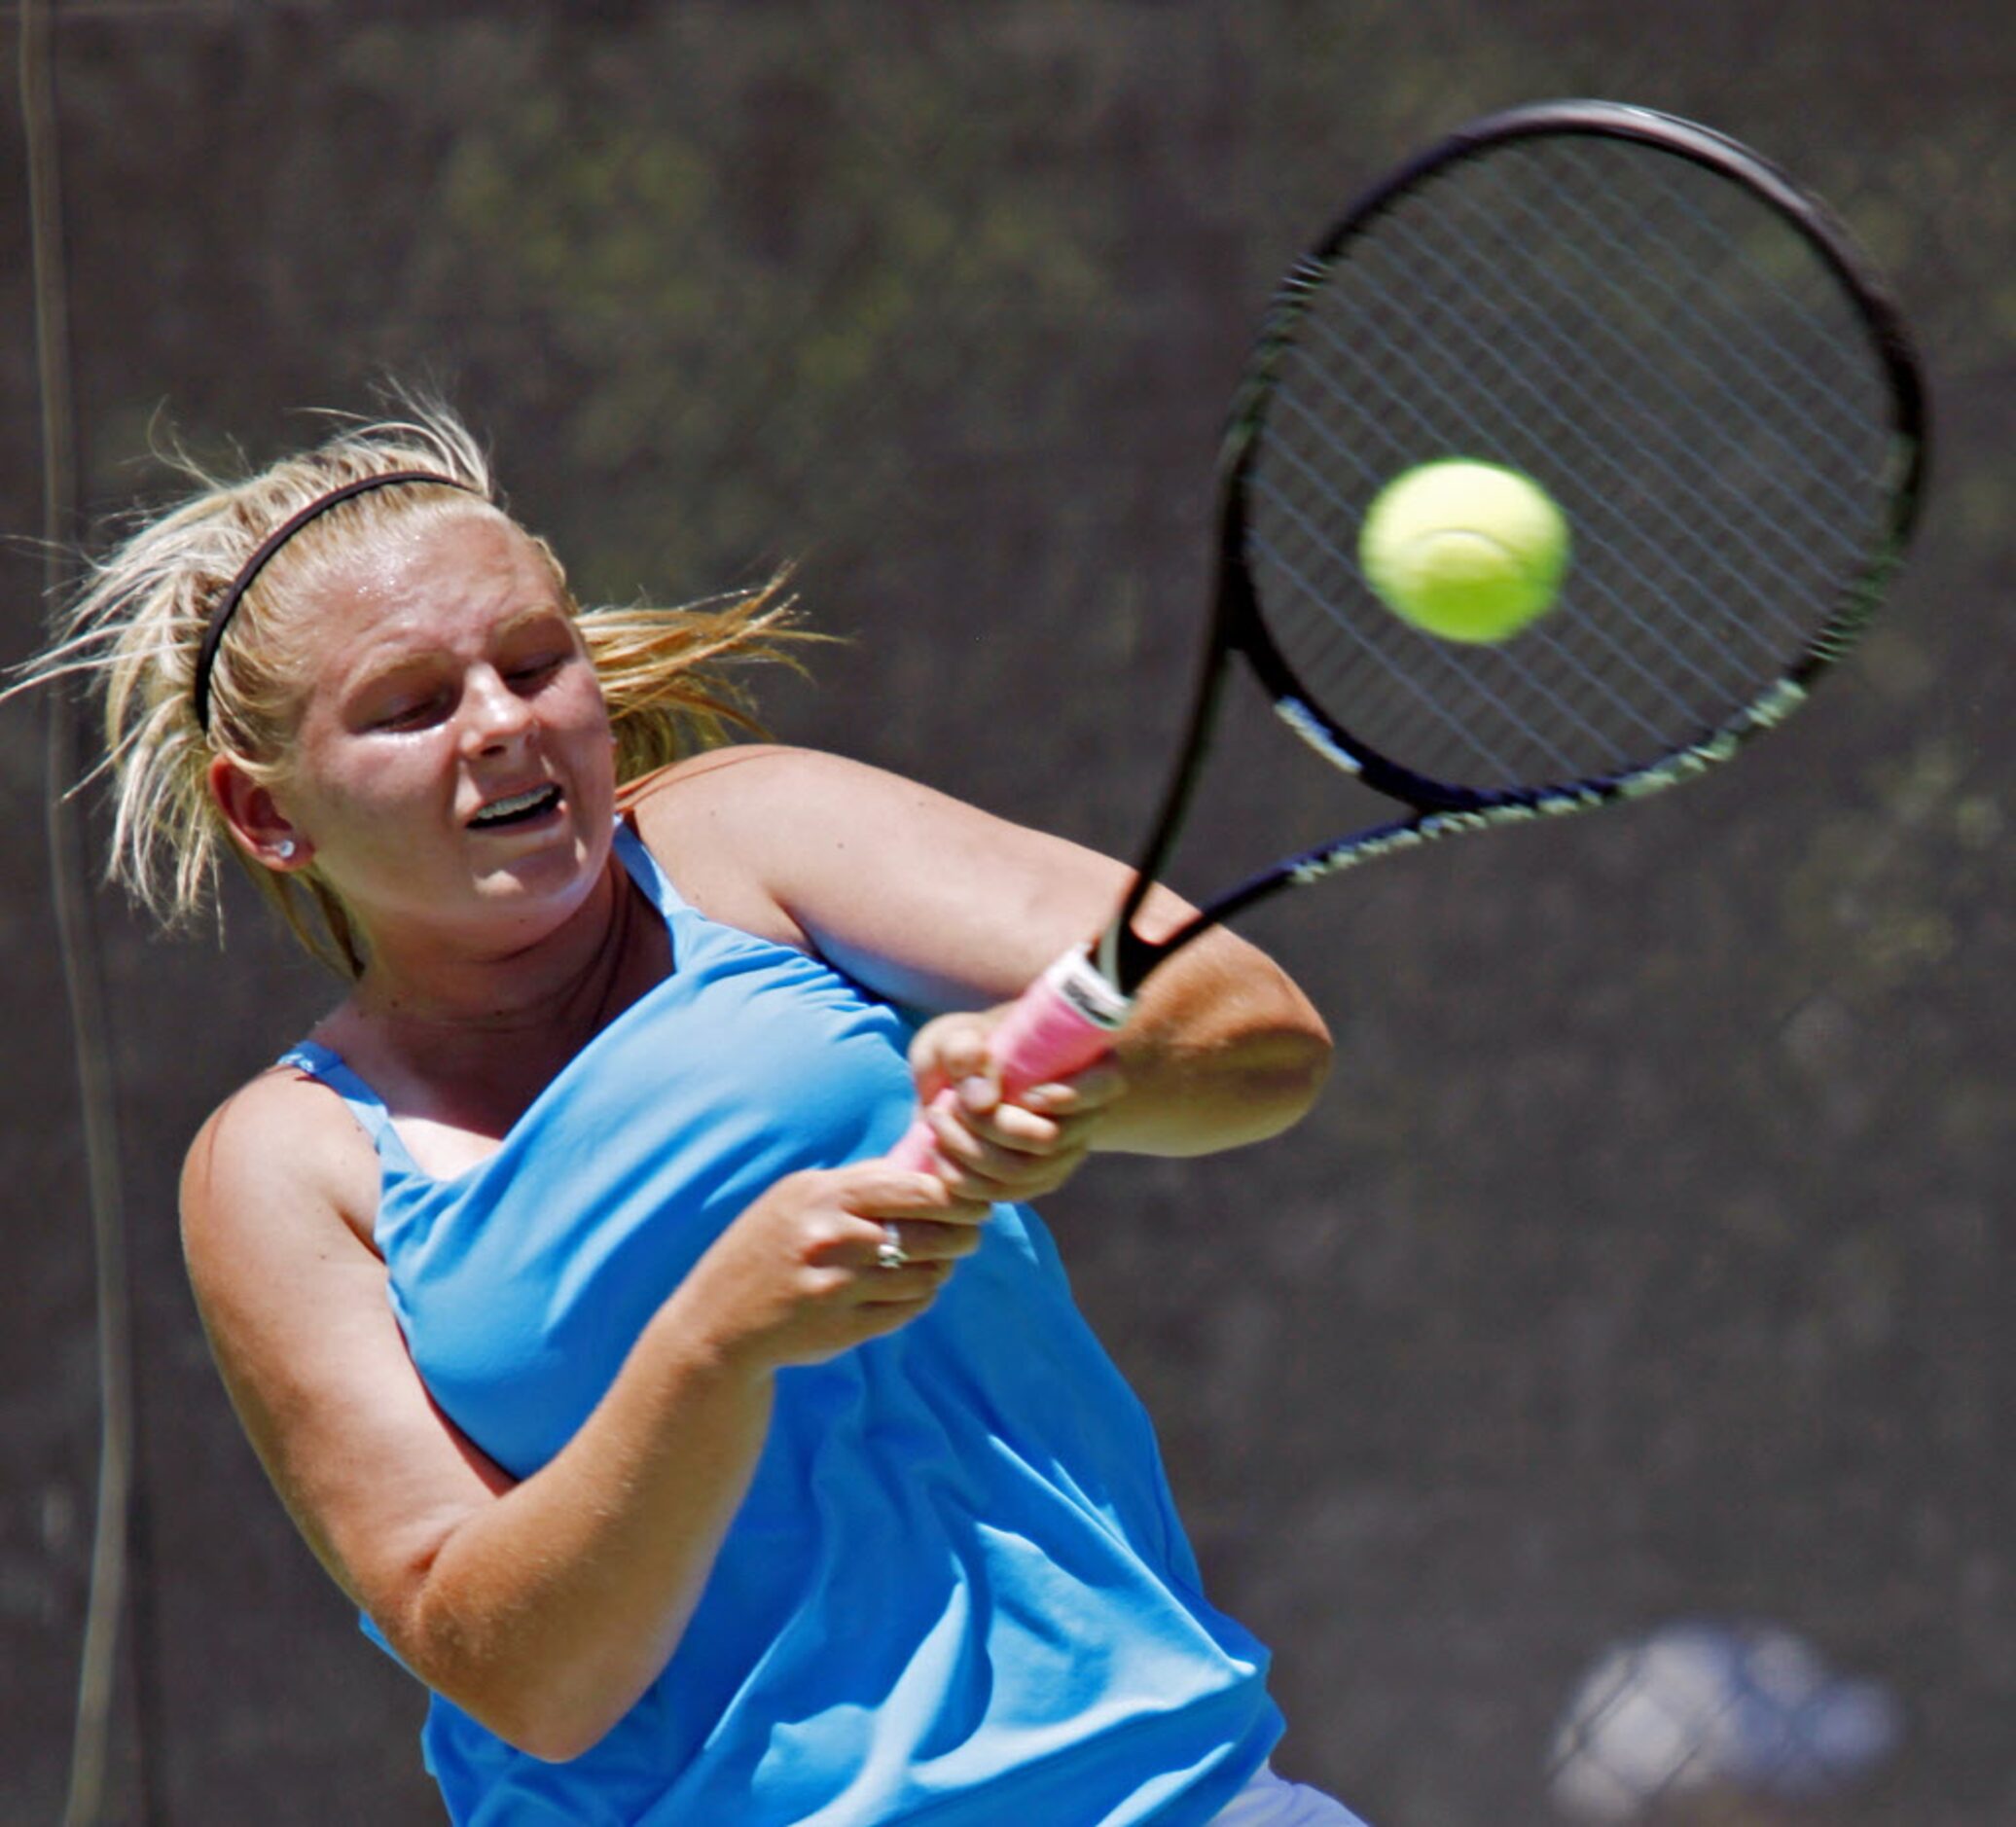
column 1682, row 347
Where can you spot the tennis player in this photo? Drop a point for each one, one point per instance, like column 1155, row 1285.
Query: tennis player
column 708, row 1469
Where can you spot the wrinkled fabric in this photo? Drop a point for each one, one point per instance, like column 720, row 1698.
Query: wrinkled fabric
column 957, row 1592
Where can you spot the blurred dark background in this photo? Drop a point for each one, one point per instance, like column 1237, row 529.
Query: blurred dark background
column 1648, row 1255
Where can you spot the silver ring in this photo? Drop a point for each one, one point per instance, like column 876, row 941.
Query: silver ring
column 890, row 1253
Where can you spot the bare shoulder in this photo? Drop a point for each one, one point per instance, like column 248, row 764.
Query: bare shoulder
column 278, row 1193
column 281, row 1151
column 734, row 827
column 930, row 901
column 767, row 800
column 770, row 777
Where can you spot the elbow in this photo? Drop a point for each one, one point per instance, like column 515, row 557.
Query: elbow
column 1248, row 1062
column 533, row 1712
column 1254, row 1089
column 551, row 1740
column 1281, row 1080
column 533, row 1696
column 1283, row 1058
column 1281, row 1063
column 1302, row 1074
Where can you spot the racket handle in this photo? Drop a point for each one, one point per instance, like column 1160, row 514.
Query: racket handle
column 1064, row 1021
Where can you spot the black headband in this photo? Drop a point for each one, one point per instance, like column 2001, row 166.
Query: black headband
column 227, row 603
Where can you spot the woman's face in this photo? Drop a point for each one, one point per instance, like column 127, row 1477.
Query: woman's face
column 451, row 770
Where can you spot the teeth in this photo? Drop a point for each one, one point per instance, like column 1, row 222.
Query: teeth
column 518, row 803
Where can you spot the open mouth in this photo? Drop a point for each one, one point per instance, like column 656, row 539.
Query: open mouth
column 516, row 808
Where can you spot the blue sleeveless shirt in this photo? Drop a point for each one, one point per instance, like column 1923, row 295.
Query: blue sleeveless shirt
column 956, row 1592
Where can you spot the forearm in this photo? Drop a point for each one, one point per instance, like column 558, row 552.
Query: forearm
column 547, row 1613
column 1220, row 1048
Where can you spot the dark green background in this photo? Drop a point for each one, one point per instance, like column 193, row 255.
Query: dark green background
column 1649, row 1254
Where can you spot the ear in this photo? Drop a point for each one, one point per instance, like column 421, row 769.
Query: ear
column 263, row 830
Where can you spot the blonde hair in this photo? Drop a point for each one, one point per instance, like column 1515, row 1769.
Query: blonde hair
column 136, row 627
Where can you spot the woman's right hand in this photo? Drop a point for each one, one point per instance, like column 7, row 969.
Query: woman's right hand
column 797, row 1278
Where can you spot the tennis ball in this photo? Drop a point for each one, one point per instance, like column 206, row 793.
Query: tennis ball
column 1467, row 550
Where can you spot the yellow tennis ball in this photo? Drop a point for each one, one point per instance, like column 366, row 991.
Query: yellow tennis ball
column 1467, row 550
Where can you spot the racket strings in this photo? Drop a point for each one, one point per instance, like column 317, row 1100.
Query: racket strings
column 1576, row 332
column 1832, row 334
column 1752, row 348
column 1616, row 384
column 1314, row 564
column 1610, row 380
column 1656, row 347
column 1544, row 412
column 1695, row 443
column 1311, row 570
column 1341, row 561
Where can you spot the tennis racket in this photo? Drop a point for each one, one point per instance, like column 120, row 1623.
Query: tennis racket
column 1686, row 353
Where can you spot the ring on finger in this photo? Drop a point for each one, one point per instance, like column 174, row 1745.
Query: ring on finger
column 890, row 1253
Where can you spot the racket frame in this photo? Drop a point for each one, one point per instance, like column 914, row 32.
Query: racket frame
column 1437, row 809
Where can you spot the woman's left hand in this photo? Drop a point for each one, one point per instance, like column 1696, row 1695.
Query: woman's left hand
column 994, row 1148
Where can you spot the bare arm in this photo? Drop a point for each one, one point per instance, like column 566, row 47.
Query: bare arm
column 545, row 1607
column 943, row 906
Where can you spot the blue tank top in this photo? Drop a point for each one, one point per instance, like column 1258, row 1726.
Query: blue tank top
column 956, row 1594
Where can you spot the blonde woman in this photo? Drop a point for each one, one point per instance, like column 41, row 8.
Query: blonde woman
column 706, row 1468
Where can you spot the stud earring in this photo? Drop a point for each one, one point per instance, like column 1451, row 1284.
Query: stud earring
column 285, row 849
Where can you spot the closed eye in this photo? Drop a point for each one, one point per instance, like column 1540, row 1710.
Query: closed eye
column 415, row 713
column 530, row 674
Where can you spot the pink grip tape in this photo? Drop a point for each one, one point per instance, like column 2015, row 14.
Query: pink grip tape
column 1062, row 1023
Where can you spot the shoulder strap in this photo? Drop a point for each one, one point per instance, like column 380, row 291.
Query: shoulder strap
column 646, row 871
column 366, row 1106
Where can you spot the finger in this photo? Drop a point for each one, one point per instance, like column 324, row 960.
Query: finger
column 895, row 1275
column 1037, row 1180
column 924, row 1240
column 907, row 1282
column 1094, row 1089
column 893, row 1300
column 875, row 1190
column 977, row 1170
column 978, row 1093
column 1007, row 1140
column 1007, row 1127
column 952, row 1051
column 1034, row 1139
